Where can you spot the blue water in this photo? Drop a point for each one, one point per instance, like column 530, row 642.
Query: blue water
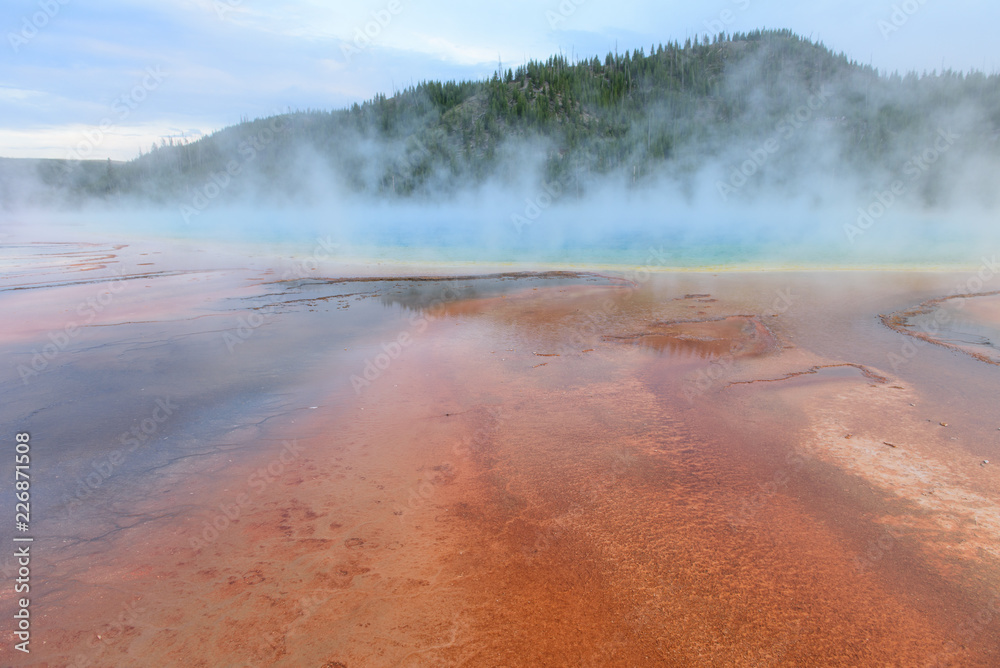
column 669, row 239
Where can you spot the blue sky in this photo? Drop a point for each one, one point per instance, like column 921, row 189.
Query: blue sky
column 97, row 82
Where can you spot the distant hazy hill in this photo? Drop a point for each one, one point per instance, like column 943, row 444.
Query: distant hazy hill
column 35, row 180
column 746, row 114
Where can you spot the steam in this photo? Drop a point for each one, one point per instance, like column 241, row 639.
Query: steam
column 787, row 179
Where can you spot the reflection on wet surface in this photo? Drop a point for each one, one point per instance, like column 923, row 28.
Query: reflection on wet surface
column 32, row 263
column 969, row 323
column 739, row 335
column 523, row 470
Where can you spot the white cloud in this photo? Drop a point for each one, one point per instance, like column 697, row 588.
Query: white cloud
column 79, row 140
column 10, row 95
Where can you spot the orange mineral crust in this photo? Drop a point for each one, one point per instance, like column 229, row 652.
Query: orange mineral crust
column 554, row 470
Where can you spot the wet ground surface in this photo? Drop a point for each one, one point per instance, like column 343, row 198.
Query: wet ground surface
column 242, row 467
column 969, row 323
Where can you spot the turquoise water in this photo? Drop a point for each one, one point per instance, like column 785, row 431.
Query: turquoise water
column 672, row 239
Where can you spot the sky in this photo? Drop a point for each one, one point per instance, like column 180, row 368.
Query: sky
column 106, row 80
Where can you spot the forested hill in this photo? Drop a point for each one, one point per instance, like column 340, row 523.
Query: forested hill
column 633, row 119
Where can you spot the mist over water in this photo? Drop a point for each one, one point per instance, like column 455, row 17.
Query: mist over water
column 760, row 150
column 626, row 229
